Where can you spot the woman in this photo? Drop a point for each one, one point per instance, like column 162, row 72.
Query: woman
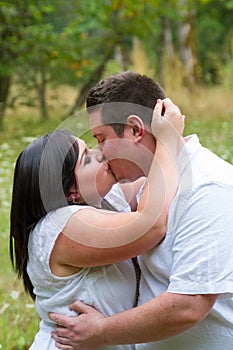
column 63, row 252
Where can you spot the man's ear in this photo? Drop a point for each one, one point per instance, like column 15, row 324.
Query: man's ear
column 136, row 126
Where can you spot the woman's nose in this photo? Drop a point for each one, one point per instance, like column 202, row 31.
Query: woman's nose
column 100, row 157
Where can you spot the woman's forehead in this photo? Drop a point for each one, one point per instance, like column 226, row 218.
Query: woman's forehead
column 82, row 148
column 81, row 143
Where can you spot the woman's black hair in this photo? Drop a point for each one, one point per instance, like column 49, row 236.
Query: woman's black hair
column 44, row 174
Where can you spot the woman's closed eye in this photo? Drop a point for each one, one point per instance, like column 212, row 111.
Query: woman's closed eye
column 87, row 160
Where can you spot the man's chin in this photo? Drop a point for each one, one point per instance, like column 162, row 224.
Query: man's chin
column 123, row 179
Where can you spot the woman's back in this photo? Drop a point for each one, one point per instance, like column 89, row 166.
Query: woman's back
column 109, row 289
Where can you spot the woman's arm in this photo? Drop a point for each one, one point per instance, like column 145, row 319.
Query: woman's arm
column 94, row 237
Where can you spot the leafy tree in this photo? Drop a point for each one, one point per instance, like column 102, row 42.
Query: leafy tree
column 14, row 18
column 215, row 32
column 40, row 67
column 101, row 28
column 72, row 42
column 20, row 33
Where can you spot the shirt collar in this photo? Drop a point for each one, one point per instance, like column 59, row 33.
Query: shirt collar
column 191, row 146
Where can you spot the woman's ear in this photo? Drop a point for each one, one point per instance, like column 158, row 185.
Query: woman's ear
column 136, row 126
column 73, row 198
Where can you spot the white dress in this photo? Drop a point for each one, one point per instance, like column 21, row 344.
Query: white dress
column 110, row 289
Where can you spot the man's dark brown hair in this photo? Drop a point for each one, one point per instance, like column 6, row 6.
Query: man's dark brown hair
column 138, row 92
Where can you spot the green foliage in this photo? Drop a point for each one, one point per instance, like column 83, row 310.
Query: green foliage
column 71, row 37
column 19, row 28
column 16, row 309
column 64, row 42
column 215, row 32
column 18, row 317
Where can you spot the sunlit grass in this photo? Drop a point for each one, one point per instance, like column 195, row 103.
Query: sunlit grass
column 18, row 321
column 209, row 113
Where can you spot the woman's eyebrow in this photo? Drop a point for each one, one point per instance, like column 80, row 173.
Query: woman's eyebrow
column 84, row 152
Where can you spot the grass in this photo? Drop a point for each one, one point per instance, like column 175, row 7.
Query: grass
column 18, row 320
column 209, row 113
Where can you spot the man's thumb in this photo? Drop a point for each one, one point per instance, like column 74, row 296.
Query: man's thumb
column 79, row 307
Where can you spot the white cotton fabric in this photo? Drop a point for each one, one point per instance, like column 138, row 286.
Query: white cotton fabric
column 110, row 289
column 196, row 256
column 117, row 199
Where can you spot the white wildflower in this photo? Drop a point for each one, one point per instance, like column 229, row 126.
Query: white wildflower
column 14, row 294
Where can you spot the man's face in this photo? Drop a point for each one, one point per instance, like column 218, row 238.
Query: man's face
column 125, row 156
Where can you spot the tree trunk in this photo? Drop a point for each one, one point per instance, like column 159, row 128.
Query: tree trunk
column 5, row 82
column 42, row 95
column 94, row 78
column 122, row 56
column 188, row 46
column 160, row 48
column 139, row 59
column 166, row 56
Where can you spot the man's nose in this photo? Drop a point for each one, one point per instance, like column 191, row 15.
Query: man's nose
column 100, row 146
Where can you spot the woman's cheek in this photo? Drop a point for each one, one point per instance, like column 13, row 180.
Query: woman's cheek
column 104, row 183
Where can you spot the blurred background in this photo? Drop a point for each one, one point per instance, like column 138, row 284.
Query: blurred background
column 53, row 52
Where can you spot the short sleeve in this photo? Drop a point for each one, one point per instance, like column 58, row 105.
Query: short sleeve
column 117, row 199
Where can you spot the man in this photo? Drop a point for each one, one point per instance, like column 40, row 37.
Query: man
column 186, row 290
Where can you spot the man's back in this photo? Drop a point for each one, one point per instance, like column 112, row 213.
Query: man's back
column 196, row 255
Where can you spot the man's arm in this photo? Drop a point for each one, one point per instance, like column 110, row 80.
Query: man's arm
column 162, row 317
